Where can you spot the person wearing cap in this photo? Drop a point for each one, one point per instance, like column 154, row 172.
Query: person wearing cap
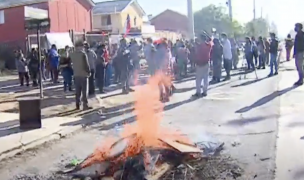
column 273, row 50
column 299, row 52
column 202, row 52
column 227, row 55
column 82, row 72
column 92, row 57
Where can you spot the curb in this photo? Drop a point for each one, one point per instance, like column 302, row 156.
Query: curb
column 38, row 142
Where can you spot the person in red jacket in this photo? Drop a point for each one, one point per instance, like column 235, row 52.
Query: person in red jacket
column 202, row 56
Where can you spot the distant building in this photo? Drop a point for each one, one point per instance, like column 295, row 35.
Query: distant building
column 64, row 15
column 111, row 16
column 170, row 20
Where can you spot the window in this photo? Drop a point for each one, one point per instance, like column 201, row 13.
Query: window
column 2, row 19
column 109, row 22
column 106, row 20
column 135, row 21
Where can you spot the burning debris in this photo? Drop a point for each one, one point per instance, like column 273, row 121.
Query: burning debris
column 144, row 151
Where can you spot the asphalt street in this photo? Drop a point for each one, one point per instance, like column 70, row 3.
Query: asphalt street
column 242, row 113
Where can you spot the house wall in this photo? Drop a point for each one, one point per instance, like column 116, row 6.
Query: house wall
column 13, row 27
column 115, row 20
column 69, row 14
column 171, row 21
column 133, row 12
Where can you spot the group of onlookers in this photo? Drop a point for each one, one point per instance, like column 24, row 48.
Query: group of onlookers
column 262, row 52
column 82, row 67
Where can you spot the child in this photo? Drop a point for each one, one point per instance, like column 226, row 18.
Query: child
column 22, row 68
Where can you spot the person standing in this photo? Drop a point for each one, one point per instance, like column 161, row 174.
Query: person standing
column 82, row 71
column 288, row 46
column 299, row 52
column 249, row 54
column 266, row 42
column 34, row 66
column 22, row 68
column 54, row 63
column 92, row 61
column 108, row 67
column 254, row 50
column 100, row 68
column 149, row 51
column 66, row 69
column 202, row 50
column 217, row 59
column 227, row 55
column 235, row 55
column 261, row 51
column 125, row 66
column 273, row 50
column 182, row 60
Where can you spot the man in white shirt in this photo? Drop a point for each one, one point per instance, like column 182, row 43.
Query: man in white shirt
column 227, row 55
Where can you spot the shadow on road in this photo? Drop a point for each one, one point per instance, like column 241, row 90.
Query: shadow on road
column 247, row 121
column 249, row 82
column 265, row 100
column 298, row 174
column 117, row 111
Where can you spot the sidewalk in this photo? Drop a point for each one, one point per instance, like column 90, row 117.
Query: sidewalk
column 13, row 140
column 290, row 142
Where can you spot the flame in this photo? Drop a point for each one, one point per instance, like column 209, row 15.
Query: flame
column 146, row 132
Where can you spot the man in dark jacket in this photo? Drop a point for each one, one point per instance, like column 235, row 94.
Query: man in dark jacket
column 125, row 66
column 34, row 66
column 273, row 50
column 299, row 52
column 217, row 60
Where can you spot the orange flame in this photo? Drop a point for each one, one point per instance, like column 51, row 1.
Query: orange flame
column 148, row 110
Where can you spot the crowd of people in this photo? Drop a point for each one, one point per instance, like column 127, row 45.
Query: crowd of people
column 84, row 68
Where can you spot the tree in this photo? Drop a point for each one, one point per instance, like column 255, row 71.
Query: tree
column 215, row 17
column 273, row 28
column 257, row 27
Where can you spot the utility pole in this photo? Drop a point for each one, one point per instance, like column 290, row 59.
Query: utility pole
column 191, row 33
column 254, row 13
column 229, row 4
column 254, row 18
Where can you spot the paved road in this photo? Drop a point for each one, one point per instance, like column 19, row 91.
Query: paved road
column 242, row 113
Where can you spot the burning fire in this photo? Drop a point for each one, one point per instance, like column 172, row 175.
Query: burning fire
column 146, row 132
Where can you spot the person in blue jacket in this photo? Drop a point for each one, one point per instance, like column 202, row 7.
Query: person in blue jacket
column 54, row 62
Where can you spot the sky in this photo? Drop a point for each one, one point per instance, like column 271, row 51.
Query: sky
column 274, row 10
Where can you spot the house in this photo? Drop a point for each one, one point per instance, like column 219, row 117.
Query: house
column 64, row 15
column 111, row 16
column 170, row 20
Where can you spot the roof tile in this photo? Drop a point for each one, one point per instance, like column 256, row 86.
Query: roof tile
column 11, row 3
column 109, row 7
